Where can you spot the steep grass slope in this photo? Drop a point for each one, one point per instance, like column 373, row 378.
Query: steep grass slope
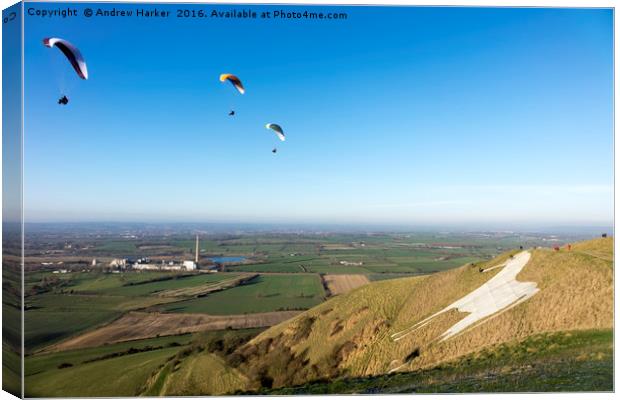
column 351, row 335
column 573, row 361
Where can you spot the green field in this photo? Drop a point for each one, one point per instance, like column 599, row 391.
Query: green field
column 39, row 363
column 390, row 257
column 265, row 293
column 287, row 267
column 95, row 281
column 177, row 283
column 99, row 282
column 58, row 316
column 92, row 299
column 88, row 300
column 126, row 246
column 384, row 253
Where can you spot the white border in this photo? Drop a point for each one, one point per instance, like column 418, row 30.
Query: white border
column 479, row 3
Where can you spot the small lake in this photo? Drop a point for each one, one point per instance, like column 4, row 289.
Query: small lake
column 223, row 260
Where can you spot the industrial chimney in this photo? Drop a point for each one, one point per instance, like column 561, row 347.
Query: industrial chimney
column 197, row 250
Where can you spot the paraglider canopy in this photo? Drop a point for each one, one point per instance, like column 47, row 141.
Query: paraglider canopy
column 277, row 129
column 71, row 52
column 236, row 82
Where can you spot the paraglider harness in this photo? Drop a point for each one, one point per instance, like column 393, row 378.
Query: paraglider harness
column 63, row 100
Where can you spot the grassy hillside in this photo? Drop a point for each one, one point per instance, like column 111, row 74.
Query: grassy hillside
column 128, row 374
column 157, row 366
column 349, row 336
column 202, row 374
column 561, row 361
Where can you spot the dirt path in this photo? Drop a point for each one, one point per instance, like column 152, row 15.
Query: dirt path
column 142, row 325
column 339, row 284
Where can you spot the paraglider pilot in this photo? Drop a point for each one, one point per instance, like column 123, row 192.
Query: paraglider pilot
column 231, row 113
column 73, row 56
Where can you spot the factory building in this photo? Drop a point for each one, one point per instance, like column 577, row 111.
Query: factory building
column 170, row 266
column 145, row 263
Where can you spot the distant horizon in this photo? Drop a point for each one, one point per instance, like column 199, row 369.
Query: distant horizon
column 585, row 229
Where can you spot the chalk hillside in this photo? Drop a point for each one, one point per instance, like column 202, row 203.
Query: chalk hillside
column 385, row 327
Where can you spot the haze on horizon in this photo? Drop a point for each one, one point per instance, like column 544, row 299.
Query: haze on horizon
column 485, row 117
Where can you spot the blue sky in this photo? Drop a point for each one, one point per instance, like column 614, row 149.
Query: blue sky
column 396, row 115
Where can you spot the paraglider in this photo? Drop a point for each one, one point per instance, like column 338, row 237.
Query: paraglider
column 277, row 129
column 234, row 80
column 71, row 52
column 74, row 57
